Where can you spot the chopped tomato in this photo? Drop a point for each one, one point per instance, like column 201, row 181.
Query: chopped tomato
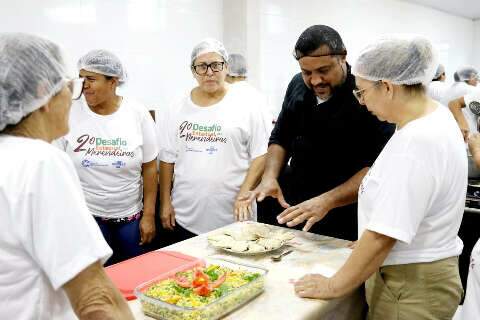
column 217, row 283
column 202, row 290
column 200, row 279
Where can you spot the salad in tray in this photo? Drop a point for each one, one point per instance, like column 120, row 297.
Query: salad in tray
column 200, row 286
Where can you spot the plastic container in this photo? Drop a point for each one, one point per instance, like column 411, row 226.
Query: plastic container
column 158, row 309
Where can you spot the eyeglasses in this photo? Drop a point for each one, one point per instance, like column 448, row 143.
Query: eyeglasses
column 76, row 87
column 359, row 93
column 202, row 69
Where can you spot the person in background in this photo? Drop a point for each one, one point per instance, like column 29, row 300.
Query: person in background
column 466, row 79
column 411, row 202
column 237, row 68
column 51, row 250
column 437, row 89
column 212, row 149
column 471, row 306
column 326, row 136
column 237, row 74
column 113, row 145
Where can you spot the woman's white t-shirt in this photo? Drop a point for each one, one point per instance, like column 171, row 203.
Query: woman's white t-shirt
column 415, row 191
column 108, row 152
column 47, row 234
column 212, row 148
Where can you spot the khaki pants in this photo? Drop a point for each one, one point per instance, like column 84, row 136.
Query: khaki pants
column 415, row 291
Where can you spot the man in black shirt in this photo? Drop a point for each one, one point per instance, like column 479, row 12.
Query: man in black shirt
column 329, row 138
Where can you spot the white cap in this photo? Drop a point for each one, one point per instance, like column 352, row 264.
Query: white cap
column 209, row 45
column 103, row 62
column 237, row 65
column 32, row 71
column 402, row 60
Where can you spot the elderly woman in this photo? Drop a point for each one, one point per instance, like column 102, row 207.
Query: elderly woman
column 112, row 143
column 51, row 250
column 214, row 143
column 410, row 204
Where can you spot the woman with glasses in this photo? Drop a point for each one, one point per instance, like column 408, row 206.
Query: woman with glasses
column 212, row 149
column 51, row 250
column 411, row 202
column 112, row 142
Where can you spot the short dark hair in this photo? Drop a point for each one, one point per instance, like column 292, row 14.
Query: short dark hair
column 316, row 36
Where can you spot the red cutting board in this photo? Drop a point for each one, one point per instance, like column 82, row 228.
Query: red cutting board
column 128, row 274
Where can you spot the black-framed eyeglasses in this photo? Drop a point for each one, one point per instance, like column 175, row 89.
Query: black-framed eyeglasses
column 359, row 93
column 202, row 68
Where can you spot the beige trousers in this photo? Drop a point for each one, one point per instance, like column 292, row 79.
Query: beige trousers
column 417, row 291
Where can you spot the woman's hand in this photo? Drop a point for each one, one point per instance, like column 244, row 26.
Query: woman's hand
column 167, row 215
column 243, row 207
column 315, row 286
column 147, row 229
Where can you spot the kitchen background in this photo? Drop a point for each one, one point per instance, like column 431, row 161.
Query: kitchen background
column 154, row 38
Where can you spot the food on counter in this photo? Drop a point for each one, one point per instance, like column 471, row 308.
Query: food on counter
column 251, row 239
column 202, row 293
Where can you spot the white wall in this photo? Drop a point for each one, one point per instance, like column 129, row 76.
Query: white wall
column 153, row 38
column 358, row 22
column 476, row 45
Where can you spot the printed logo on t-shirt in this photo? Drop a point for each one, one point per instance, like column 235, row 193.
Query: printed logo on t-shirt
column 119, row 164
column 88, row 164
column 97, row 146
column 190, row 131
column 211, row 150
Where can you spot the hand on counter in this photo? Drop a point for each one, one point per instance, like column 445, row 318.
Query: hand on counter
column 315, row 286
column 312, row 211
column 147, row 229
column 167, row 215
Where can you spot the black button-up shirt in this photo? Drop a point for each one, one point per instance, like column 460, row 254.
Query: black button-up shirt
column 327, row 143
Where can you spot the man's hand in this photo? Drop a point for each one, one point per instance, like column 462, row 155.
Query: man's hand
column 312, row 211
column 243, row 207
column 315, row 286
column 267, row 188
column 167, row 215
column 147, row 229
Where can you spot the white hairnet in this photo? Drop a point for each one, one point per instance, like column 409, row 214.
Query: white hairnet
column 439, row 72
column 237, row 65
column 403, row 60
column 209, row 45
column 465, row 73
column 32, row 70
column 103, row 62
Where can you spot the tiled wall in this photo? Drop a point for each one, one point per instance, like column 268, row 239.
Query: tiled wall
column 358, row 21
column 154, row 38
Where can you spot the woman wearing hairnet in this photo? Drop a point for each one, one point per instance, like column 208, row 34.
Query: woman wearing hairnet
column 410, row 203
column 215, row 140
column 51, row 250
column 112, row 143
column 466, row 80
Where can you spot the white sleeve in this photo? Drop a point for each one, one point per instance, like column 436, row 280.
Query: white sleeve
column 404, row 195
column 167, row 135
column 260, row 132
column 150, row 145
column 58, row 230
